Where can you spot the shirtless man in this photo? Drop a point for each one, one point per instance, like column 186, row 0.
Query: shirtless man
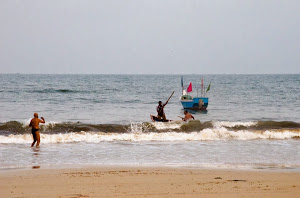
column 160, row 111
column 34, row 123
column 187, row 116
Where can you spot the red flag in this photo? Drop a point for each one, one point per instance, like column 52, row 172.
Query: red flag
column 189, row 89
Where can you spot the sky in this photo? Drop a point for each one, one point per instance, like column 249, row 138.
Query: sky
column 150, row 36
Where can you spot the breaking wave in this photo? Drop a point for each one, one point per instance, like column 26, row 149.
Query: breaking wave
column 16, row 127
column 204, row 135
column 55, row 132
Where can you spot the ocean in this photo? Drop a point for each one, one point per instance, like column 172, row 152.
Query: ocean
column 252, row 121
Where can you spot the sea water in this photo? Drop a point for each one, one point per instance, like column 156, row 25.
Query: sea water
column 252, row 121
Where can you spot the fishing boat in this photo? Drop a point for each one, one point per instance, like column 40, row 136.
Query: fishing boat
column 155, row 119
column 195, row 103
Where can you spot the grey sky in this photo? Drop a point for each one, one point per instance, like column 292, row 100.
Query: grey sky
column 154, row 36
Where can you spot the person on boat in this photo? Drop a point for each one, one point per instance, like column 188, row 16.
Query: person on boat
column 160, row 111
column 187, row 116
column 34, row 123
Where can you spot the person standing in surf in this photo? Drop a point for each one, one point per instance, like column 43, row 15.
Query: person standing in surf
column 34, row 123
column 187, row 116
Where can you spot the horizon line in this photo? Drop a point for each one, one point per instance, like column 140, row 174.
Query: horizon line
column 150, row 73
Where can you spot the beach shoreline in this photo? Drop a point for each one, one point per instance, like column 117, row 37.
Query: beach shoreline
column 144, row 181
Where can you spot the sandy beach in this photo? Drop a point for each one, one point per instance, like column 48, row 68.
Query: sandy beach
column 148, row 182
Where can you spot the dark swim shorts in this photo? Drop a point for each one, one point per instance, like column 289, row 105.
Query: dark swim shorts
column 34, row 130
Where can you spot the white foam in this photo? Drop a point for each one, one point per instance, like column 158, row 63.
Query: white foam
column 16, row 139
column 138, row 127
column 167, row 125
column 206, row 134
column 26, row 122
column 219, row 124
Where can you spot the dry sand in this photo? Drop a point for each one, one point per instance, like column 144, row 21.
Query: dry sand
column 147, row 182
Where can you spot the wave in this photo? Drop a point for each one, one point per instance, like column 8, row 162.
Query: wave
column 68, row 132
column 50, row 90
column 56, row 127
column 204, row 135
column 16, row 127
column 234, row 124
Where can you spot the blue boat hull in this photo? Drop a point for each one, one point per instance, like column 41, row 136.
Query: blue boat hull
column 196, row 103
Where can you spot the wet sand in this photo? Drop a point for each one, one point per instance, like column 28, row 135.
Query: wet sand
column 148, row 182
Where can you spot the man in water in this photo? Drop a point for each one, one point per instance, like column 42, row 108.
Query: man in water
column 34, row 123
column 160, row 111
column 187, row 116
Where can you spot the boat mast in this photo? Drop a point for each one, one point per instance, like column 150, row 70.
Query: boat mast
column 202, row 87
column 182, row 85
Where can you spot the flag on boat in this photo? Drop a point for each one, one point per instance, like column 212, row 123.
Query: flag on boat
column 190, row 89
column 208, row 88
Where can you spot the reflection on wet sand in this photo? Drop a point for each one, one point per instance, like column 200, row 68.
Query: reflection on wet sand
column 35, row 153
column 35, row 150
